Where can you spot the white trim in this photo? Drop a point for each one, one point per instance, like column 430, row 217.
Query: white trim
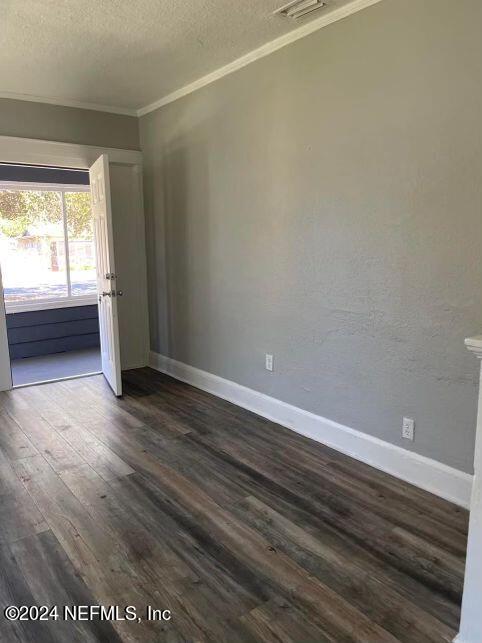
column 66, row 245
column 239, row 63
column 143, row 303
column 470, row 629
column 428, row 474
column 62, row 102
column 260, row 52
column 474, row 344
column 5, row 370
column 59, row 302
column 34, row 151
column 46, row 187
column 12, row 307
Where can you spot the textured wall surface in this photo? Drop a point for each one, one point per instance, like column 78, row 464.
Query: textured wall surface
column 67, row 124
column 324, row 205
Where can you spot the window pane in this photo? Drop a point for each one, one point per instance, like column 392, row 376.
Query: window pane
column 32, row 247
column 80, row 227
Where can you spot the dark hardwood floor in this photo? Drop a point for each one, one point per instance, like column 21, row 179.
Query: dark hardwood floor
column 172, row 498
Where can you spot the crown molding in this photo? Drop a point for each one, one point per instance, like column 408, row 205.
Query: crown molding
column 239, row 63
column 260, row 52
column 125, row 111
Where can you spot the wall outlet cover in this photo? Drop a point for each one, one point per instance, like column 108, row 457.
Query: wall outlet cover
column 408, row 429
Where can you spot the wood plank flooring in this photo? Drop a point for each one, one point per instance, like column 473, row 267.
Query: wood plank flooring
column 245, row 531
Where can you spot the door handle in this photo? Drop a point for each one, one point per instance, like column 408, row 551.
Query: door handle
column 111, row 293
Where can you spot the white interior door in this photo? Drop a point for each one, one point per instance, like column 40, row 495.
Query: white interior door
column 106, row 273
column 5, row 372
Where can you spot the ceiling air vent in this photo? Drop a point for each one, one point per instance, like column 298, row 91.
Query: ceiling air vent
column 299, row 8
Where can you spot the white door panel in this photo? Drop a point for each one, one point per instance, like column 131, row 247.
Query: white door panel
column 106, row 272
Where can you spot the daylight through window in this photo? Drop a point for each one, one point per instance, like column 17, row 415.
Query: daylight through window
column 47, row 252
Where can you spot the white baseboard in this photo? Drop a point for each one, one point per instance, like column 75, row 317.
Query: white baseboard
column 428, row 474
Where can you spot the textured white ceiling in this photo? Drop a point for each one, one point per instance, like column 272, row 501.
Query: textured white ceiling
column 128, row 53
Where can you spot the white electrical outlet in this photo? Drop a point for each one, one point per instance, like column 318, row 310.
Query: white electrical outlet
column 408, row 429
column 269, row 362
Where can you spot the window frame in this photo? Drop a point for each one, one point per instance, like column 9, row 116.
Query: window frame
column 60, row 302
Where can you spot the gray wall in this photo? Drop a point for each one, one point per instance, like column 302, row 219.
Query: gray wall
column 67, row 124
column 324, row 204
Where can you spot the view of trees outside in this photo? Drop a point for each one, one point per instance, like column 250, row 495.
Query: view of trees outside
column 32, row 245
column 80, row 230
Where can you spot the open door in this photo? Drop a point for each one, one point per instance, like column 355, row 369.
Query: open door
column 106, row 274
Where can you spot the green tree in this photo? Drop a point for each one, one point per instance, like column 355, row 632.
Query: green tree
column 20, row 209
column 79, row 215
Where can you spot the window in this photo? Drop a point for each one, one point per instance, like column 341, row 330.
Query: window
column 47, row 251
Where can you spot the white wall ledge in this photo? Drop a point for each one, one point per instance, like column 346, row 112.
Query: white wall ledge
column 474, row 344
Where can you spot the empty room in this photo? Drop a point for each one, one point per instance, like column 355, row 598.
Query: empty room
column 241, row 321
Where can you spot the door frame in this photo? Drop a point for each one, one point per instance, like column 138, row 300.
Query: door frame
column 70, row 155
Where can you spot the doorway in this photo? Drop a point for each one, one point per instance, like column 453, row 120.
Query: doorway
column 116, row 185
column 48, row 264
